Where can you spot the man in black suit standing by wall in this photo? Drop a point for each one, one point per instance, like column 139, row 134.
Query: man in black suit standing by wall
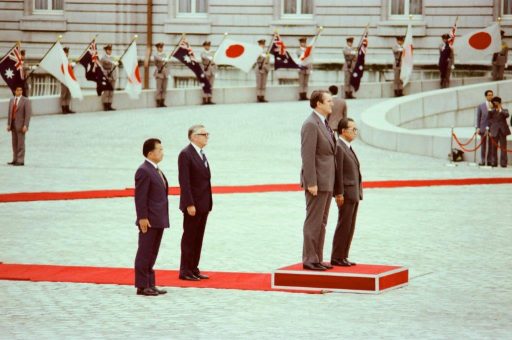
column 195, row 201
column 152, row 206
column 348, row 192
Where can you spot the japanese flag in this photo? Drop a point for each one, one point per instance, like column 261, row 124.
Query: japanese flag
column 407, row 57
column 131, row 67
column 57, row 64
column 239, row 54
column 478, row 45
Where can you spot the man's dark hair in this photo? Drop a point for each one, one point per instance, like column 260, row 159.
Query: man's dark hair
column 150, row 145
column 316, row 96
column 343, row 124
column 488, row 92
column 496, row 100
column 333, row 89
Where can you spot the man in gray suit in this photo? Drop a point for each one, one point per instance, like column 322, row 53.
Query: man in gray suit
column 339, row 108
column 317, row 178
column 348, row 191
column 500, row 60
column 161, row 74
column 209, row 68
column 350, row 55
column 482, row 122
column 18, row 119
column 499, row 131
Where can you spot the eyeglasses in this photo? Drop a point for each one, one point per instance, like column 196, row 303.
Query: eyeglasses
column 203, row 134
column 353, row 129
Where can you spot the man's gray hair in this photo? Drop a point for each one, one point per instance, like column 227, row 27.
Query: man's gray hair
column 193, row 129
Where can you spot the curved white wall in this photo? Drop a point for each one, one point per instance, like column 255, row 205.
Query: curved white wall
column 392, row 125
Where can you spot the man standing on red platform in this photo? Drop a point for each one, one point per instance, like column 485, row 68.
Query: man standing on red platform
column 18, row 119
column 348, row 191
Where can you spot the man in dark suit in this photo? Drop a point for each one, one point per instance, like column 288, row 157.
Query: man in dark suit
column 482, row 122
column 499, row 130
column 195, row 201
column 348, row 192
column 152, row 206
column 317, row 178
column 18, row 119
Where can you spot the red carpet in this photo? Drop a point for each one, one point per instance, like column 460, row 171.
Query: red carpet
column 239, row 189
column 125, row 276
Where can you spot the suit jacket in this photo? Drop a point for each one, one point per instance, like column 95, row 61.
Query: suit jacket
column 482, row 117
column 151, row 199
column 339, row 111
column 348, row 179
column 23, row 113
column 194, row 178
column 498, row 122
column 317, row 152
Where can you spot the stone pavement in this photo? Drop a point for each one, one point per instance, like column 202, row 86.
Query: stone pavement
column 455, row 240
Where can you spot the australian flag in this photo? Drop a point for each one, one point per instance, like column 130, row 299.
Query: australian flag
column 357, row 74
column 11, row 68
column 93, row 71
column 282, row 58
column 186, row 56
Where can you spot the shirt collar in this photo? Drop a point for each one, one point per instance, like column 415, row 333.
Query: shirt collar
column 347, row 143
column 152, row 163
column 197, row 148
column 322, row 118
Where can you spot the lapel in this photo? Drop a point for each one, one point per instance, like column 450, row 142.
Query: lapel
column 155, row 173
column 198, row 159
column 485, row 110
column 349, row 152
column 321, row 126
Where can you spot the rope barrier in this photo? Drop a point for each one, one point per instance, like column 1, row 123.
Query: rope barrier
column 469, row 141
column 461, row 145
column 500, row 147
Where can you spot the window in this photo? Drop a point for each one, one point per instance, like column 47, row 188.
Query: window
column 192, row 7
column 401, row 9
column 297, row 7
column 48, row 5
column 506, row 9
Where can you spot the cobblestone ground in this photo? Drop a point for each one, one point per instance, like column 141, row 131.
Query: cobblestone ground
column 455, row 240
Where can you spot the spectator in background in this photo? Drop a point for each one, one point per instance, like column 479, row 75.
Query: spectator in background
column 339, row 108
column 499, row 131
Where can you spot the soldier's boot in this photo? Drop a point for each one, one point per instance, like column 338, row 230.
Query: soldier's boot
column 110, row 108
column 347, row 95
column 258, row 99
column 401, row 93
column 205, row 101
column 162, row 103
column 158, row 103
column 263, row 100
column 303, row 96
column 396, row 93
column 210, row 101
column 69, row 110
column 64, row 111
column 105, row 106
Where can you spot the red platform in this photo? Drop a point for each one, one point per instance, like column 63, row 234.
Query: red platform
column 362, row 278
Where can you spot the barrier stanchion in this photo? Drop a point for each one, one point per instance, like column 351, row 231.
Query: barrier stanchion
column 450, row 156
column 474, row 146
column 487, row 149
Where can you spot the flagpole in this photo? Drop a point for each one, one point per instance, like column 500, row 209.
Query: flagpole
column 85, row 51
column 55, row 43
column 362, row 37
column 177, row 45
column 121, row 57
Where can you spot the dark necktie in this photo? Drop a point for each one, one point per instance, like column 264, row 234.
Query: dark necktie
column 14, row 109
column 161, row 175
column 329, row 129
column 203, row 156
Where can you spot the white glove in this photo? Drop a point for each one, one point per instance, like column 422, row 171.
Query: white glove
column 116, row 63
column 453, row 67
column 73, row 64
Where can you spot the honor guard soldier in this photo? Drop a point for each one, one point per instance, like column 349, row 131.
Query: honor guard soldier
column 500, row 60
column 350, row 55
column 262, row 69
column 398, row 49
column 161, row 74
column 445, row 61
column 108, row 64
column 305, row 70
column 65, row 94
column 209, row 69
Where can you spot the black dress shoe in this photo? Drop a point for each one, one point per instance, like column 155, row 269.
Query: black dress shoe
column 350, row 262
column 189, row 278
column 159, row 291
column 313, row 266
column 147, row 292
column 202, row 276
column 326, row 265
column 340, row 263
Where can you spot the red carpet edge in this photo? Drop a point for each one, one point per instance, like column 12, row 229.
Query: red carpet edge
column 125, row 276
column 243, row 189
